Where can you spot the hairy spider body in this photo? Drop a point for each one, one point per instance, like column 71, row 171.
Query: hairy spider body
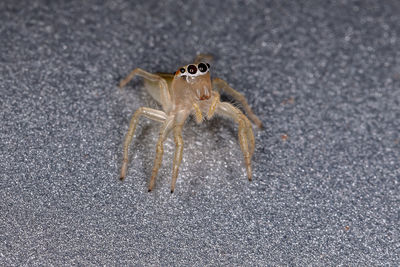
column 188, row 91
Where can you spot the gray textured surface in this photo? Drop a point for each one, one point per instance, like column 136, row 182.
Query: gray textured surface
column 327, row 74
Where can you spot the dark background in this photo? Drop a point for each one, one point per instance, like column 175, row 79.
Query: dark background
column 324, row 73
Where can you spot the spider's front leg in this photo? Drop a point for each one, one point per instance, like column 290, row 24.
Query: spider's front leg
column 246, row 136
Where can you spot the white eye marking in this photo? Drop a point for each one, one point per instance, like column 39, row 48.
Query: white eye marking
column 194, row 70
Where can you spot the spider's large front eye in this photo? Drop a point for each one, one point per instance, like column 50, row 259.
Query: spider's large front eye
column 182, row 70
column 202, row 67
column 192, row 69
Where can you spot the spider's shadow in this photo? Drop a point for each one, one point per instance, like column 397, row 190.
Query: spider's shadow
column 224, row 130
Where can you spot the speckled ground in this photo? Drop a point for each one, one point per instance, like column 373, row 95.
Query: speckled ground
column 324, row 78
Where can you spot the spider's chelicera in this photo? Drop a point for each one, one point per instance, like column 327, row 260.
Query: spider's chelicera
column 189, row 91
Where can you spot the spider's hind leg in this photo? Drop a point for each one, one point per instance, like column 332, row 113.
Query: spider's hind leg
column 161, row 94
column 203, row 58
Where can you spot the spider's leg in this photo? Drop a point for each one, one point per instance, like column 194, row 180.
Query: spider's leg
column 249, row 130
column 165, row 129
column 153, row 114
column 250, row 136
column 246, row 137
column 179, row 121
column 164, row 96
column 221, row 85
column 178, row 155
column 203, row 58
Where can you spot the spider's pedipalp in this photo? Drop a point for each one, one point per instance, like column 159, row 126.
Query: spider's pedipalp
column 221, row 85
column 214, row 102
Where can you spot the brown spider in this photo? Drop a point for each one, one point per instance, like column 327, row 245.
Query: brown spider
column 188, row 91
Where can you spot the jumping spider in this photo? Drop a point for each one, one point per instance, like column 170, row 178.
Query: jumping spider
column 188, row 91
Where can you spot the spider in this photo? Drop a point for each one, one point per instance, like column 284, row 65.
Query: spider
column 189, row 90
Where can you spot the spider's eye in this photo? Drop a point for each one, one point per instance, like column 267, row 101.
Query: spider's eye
column 192, row 69
column 182, row 70
column 208, row 65
column 202, row 67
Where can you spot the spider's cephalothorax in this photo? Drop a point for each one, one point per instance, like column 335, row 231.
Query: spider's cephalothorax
column 190, row 91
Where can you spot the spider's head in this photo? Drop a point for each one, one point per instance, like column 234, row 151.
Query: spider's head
column 197, row 79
